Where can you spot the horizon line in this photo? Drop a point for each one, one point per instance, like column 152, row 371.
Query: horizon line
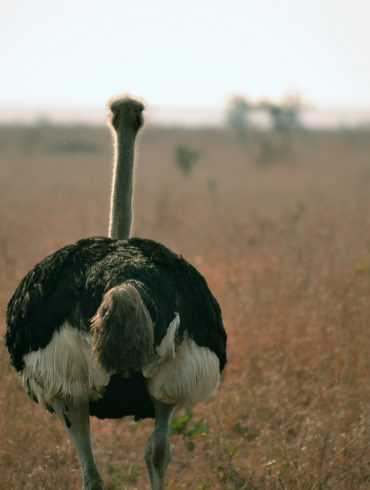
column 170, row 114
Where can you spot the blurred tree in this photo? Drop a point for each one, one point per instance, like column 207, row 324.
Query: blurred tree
column 238, row 114
column 284, row 116
column 186, row 158
column 276, row 145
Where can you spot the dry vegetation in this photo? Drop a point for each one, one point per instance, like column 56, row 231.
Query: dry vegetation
column 286, row 249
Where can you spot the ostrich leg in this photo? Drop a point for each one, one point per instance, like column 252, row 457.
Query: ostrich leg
column 76, row 420
column 157, row 452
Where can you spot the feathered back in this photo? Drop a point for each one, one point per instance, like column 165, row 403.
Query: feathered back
column 70, row 286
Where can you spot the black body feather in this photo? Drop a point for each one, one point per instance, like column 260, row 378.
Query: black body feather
column 69, row 286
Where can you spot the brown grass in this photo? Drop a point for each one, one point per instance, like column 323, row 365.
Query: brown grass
column 286, row 249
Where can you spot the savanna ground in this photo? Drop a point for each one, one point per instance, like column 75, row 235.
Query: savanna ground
column 284, row 242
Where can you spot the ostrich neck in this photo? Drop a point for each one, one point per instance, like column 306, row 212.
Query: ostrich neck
column 121, row 198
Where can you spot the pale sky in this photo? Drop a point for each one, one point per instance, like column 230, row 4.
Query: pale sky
column 193, row 52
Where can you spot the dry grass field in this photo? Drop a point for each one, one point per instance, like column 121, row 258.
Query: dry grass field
column 285, row 246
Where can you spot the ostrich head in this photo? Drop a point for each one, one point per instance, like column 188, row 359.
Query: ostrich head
column 126, row 112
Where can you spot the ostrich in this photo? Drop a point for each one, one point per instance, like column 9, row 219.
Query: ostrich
column 115, row 327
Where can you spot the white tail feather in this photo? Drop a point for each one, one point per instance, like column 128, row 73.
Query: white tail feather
column 64, row 368
column 185, row 375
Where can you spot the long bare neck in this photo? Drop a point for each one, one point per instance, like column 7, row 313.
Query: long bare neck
column 121, row 206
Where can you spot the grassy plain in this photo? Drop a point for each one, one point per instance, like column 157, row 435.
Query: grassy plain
column 285, row 245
